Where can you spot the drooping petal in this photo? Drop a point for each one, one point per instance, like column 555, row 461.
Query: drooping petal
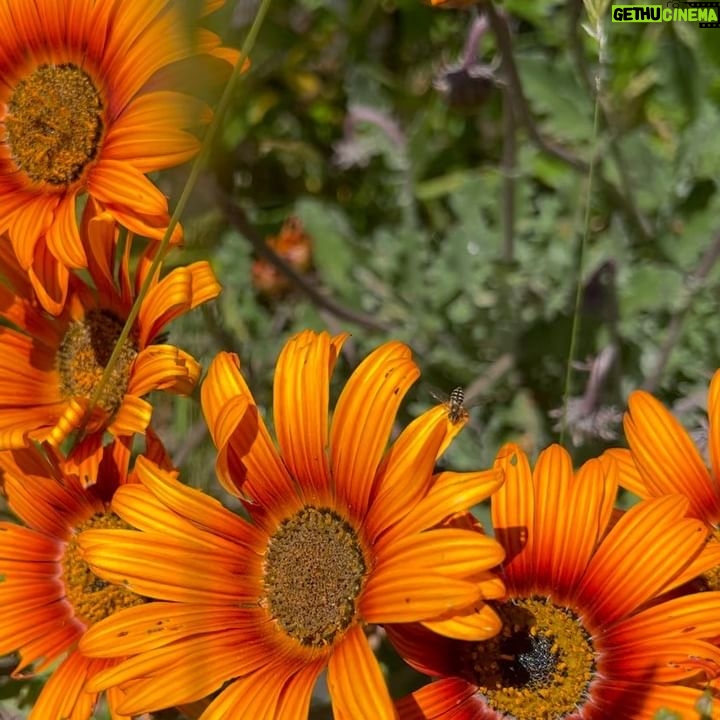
column 356, row 684
column 247, row 458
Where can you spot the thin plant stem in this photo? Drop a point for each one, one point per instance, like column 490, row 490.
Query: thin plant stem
column 575, row 329
column 183, row 200
column 508, row 180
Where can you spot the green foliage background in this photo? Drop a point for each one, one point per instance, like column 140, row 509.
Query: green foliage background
column 411, row 219
column 407, row 217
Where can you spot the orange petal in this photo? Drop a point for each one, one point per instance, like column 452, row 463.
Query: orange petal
column 478, row 624
column 300, row 409
column 297, row 693
column 629, row 477
column 400, row 594
column 246, row 455
column 132, row 417
column 447, row 698
column 591, row 496
column 225, row 529
column 63, row 695
column 713, row 410
column 448, row 551
column 450, row 493
column 406, row 472
column 63, row 238
column 117, row 183
column 364, row 416
column 29, row 225
column 553, row 525
column 84, row 460
column 49, row 278
column 178, row 292
column 666, row 456
column 164, row 568
column 513, row 516
column 163, row 367
column 356, row 684
column 636, row 558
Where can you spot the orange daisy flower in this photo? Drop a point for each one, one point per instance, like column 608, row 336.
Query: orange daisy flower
column 294, row 246
column 50, row 365
column 342, row 533
column 49, row 595
column 82, row 109
column 664, row 460
column 586, row 632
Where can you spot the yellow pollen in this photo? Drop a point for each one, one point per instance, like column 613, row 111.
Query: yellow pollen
column 83, row 354
column 314, row 572
column 91, row 597
column 54, row 125
column 540, row 665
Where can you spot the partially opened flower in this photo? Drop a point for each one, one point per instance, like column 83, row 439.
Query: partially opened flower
column 49, row 595
column 51, row 365
column 343, row 532
column 587, row 633
column 82, row 109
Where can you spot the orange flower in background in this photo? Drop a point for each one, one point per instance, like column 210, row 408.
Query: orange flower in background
column 80, row 112
column 49, row 595
column 51, row 365
column 343, row 532
column 293, row 245
column 587, row 633
column 454, row 4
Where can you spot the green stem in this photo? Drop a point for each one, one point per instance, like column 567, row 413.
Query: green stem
column 183, row 200
column 575, row 329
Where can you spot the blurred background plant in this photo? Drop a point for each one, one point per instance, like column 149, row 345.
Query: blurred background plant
column 437, row 162
column 407, row 172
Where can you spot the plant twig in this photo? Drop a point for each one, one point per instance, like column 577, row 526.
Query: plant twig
column 523, row 115
column 508, row 183
column 627, row 191
column 238, row 219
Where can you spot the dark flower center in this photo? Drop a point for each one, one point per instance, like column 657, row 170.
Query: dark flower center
column 314, row 572
column 538, row 667
column 84, row 353
column 54, row 124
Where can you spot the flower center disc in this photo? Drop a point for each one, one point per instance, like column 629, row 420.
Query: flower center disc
column 314, row 572
column 54, row 123
column 84, row 353
column 92, row 597
column 538, row 667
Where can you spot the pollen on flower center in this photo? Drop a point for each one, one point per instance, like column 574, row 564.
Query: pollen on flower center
column 91, row 597
column 54, row 124
column 314, row 572
column 538, row 667
column 84, row 353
